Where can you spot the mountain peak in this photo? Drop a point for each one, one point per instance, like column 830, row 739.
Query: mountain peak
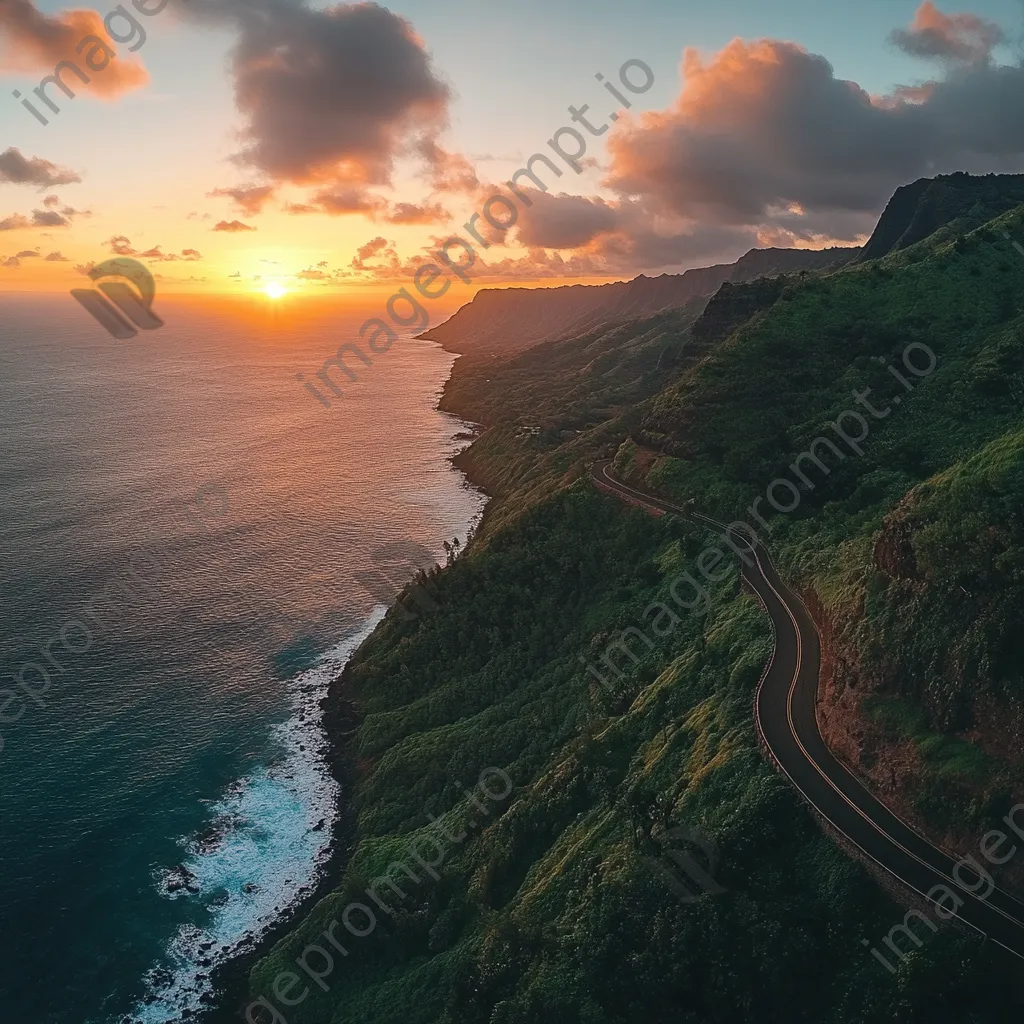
column 958, row 202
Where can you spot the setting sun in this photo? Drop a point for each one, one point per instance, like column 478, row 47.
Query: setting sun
column 275, row 290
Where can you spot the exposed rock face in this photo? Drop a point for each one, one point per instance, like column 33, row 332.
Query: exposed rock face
column 894, row 551
column 891, row 767
column 733, row 304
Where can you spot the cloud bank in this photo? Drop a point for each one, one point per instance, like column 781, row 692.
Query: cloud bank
column 763, row 133
column 766, row 145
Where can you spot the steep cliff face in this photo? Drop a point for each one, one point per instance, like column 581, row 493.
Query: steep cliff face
column 923, row 775
column 734, row 304
column 958, row 202
column 504, row 322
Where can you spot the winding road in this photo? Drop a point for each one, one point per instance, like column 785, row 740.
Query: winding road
column 784, row 712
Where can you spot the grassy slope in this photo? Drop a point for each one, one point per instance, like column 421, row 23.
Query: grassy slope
column 548, row 912
column 575, row 383
column 917, row 547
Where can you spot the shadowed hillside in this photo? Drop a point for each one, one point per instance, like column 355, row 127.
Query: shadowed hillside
column 503, row 322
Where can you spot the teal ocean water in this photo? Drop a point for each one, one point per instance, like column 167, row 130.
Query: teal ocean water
column 191, row 547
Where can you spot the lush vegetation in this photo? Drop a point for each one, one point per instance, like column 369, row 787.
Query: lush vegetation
column 549, row 911
column 916, row 546
column 573, row 385
column 550, row 908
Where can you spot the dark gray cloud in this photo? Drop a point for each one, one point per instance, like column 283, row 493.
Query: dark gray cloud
column 18, row 169
column 560, row 221
column 604, row 237
column 328, row 95
column 340, row 201
column 640, row 248
column 50, row 219
column 40, row 219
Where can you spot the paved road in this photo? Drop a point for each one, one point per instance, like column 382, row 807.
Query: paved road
column 784, row 710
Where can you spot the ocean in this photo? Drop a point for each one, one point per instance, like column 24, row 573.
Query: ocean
column 191, row 548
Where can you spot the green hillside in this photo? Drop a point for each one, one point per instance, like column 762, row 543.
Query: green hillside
column 915, row 546
column 576, row 383
column 554, row 905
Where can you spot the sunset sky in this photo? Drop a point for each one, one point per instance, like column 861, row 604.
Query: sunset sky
column 328, row 148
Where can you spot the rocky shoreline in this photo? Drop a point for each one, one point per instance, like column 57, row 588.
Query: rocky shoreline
column 231, row 982
column 340, row 721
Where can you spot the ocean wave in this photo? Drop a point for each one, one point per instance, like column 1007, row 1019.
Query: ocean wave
column 262, row 852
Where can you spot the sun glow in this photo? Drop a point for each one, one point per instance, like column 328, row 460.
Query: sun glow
column 275, row 290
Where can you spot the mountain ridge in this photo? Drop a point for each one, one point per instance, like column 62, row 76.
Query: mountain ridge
column 956, row 202
column 505, row 321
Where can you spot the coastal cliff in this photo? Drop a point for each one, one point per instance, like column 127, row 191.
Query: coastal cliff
column 555, row 653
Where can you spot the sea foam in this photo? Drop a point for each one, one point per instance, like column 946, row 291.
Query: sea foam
column 264, row 851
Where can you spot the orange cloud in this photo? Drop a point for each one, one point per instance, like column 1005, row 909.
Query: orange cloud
column 955, row 37
column 33, row 41
column 250, row 199
column 764, row 134
column 232, row 226
column 418, row 213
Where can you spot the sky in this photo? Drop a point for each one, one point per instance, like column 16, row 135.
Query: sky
column 232, row 145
